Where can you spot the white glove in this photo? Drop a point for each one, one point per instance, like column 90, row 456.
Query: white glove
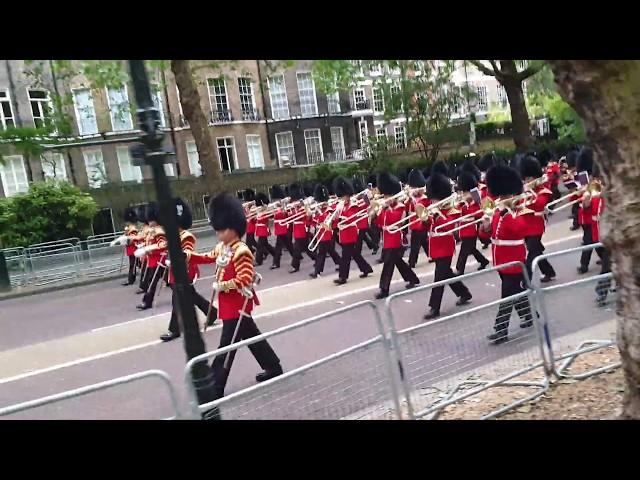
column 216, row 287
column 167, row 262
column 121, row 240
column 140, row 252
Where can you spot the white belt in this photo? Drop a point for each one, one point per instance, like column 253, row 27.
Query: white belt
column 298, row 223
column 261, row 224
column 595, row 219
column 507, row 243
column 539, row 214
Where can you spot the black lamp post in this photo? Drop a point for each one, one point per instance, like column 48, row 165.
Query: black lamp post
column 150, row 152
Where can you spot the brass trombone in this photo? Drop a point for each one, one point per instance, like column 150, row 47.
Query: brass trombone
column 325, row 226
column 594, row 187
column 375, row 206
column 420, row 214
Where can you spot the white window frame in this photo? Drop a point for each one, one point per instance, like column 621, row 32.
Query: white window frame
column 358, row 66
column 279, row 147
column 125, row 116
column 193, row 157
column 381, row 99
column 6, row 98
column 333, row 102
column 41, row 105
column 355, row 98
column 169, row 169
column 218, row 113
column 18, row 186
column 235, row 153
column 243, row 106
column 61, row 168
column 134, row 172
column 339, row 152
column 482, row 106
column 396, row 129
column 156, row 96
column 307, row 136
column 183, row 120
column 77, row 112
column 375, row 69
column 85, row 154
column 384, row 132
column 255, row 162
column 363, row 138
column 270, row 82
column 307, row 103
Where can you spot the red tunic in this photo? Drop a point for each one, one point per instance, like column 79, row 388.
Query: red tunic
column 278, row 218
column 348, row 235
column 300, row 225
column 188, row 245
column 319, row 218
column 131, row 231
column 442, row 246
column 387, row 217
column 363, row 223
column 584, row 214
column 251, row 226
column 232, row 278
column 597, row 206
column 158, row 239
column 507, row 236
column 535, row 220
column 411, row 207
column 262, row 225
column 467, row 209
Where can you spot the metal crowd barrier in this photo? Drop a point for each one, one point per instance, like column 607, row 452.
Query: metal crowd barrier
column 52, row 262
column 88, row 389
column 103, row 259
column 345, row 384
column 16, row 264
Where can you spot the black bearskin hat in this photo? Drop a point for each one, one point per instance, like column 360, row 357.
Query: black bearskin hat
column 516, row 161
column 248, row 195
column 240, row 194
column 388, row 184
column 416, row 178
column 130, row 215
column 438, row 186
column 151, row 212
column 320, row 193
column 530, row 167
column 308, row 189
column 262, row 199
column 295, row 191
column 227, row 212
column 357, row 185
column 585, row 161
column 403, row 177
column 544, row 157
column 185, row 218
column 486, row 162
column 329, row 186
column 372, row 180
column 572, row 159
column 342, row 187
column 277, row 192
column 440, row 167
column 469, row 167
column 503, row 180
column 467, row 181
column 141, row 213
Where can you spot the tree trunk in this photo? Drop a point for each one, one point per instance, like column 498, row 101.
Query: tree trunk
column 606, row 94
column 198, row 123
column 519, row 116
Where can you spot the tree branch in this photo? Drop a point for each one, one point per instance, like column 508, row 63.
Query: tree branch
column 482, row 68
column 529, row 71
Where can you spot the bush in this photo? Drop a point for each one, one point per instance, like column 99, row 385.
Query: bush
column 486, row 130
column 47, row 212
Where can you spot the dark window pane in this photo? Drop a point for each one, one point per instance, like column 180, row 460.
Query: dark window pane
column 6, row 109
column 37, row 94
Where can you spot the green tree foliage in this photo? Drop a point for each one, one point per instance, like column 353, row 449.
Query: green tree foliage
column 48, row 211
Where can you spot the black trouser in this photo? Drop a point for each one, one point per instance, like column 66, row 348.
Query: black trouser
column 131, row 278
column 468, row 247
column 392, row 259
column 323, row 249
column 148, row 297
column 555, row 194
column 282, row 241
column 443, row 272
column 264, row 248
column 261, row 351
column 198, row 300
column 512, row 283
column 485, row 241
column 375, row 233
column 587, row 239
column 603, row 286
column 574, row 215
column 143, row 273
column 299, row 248
column 148, row 276
column 535, row 248
column 418, row 239
column 349, row 251
column 251, row 242
column 364, row 237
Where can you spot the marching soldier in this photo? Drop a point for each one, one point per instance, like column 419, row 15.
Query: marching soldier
column 140, row 241
column 324, row 220
column 530, row 170
column 364, row 229
column 280, row 230
column 188, row 246
column 154, row 251
column 234, row 285
column 572, row 159
column 469, row 234
column 418, row 230
column 442, row 246
column 389, row 186
column 300, row 230
column 262, row 230
column 508, row 229
column 597, row 207
column 484, row 164
column 128, row 240
column 249, row 195
column 585, row 208
column 348, row 235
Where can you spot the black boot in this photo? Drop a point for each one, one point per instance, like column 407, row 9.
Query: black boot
column 433, row 313
column 382, row 294
column 464, row 300
column 268, row 374
column 167, row 337
column 143, row 306
column 547, row 278
column 313, row 275
column 410, row 285
column 339, row 281
column 498, row 337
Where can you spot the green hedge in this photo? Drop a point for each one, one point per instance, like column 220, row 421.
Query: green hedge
column 486, row 130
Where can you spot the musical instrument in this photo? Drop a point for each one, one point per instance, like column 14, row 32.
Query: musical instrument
column 325, row 226
column 536, row 182
column 420, row 214
column 594, row 187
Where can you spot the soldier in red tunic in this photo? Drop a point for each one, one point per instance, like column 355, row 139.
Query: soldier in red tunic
column 348, row 236
column 442, row 246
column 127, row 240
column 262, row 230
column 324, row 219
column 392, row 249
column 364, row 226
column 188, row 246
column 155, row 252
column 249, row 195
column 280, row 230
column 469, row 234
column 484, row 164
column 300, row 229
column 234, row 284
column 508, row 228
column 597, row 207
column 418, row 229
column 530, row 169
